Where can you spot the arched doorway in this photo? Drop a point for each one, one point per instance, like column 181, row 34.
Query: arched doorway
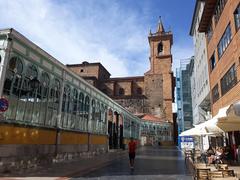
column 110, row 128
column 115, row 130
column 121, row 131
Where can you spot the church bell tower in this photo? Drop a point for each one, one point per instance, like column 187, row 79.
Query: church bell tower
column 158, row 80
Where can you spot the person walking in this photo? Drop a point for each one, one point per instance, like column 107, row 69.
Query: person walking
column 132, row 146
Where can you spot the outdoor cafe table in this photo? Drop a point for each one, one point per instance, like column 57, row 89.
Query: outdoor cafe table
column 204, row 166
column 226, row 178
column 212, row 168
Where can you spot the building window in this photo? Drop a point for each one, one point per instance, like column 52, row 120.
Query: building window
column 15, row 65
column 237, row 17
column 45, row 80
column 224, row 41
column 215, row 93
column 0, row 59
column 219, row 9
column 32, row 72
column 13, row 81
column 160, row 48
column 81, row 70
column 66, row 106
column 212, row 61
column 75, row 103
column 229, row 80
column 178, row 94
column 209, row 32
column 121, row 91
column 139, row 91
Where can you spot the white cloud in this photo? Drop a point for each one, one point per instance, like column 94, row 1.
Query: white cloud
column 79, row 31
column 94, row 31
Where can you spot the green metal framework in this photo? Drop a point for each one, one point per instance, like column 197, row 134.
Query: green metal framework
column 61, row 99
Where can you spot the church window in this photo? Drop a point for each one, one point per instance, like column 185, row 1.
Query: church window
column 121, row 91
column 139, row 91
column 105, row 91
column 160, row 48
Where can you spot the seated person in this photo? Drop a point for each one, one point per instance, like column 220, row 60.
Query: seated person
column 210, row 155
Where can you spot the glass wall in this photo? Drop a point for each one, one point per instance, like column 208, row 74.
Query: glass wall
column 34, row 99
column 53, row 103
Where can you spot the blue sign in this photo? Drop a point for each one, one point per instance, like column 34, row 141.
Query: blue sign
column 186, row 139
column 3, row 104
column 186, row 142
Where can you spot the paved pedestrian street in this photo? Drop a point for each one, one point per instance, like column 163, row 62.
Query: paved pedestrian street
column 150, row 163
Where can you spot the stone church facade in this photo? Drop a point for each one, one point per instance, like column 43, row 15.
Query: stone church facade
column 152, row 93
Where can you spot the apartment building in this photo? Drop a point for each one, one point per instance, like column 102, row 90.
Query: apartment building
column 220, row 22
column 200, row 88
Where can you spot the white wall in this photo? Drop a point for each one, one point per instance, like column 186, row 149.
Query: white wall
column 200, row 77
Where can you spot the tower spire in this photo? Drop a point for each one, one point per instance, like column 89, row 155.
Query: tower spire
column 160, row 28
column 150, row 32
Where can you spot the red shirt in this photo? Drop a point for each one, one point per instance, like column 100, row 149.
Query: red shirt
column 132, row 145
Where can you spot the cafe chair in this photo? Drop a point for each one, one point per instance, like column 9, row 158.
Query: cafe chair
column 228, row 173
column 215, row 174
column 222, row 166
column 201, row 174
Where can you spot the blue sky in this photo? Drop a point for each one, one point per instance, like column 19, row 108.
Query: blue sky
column 113, row 32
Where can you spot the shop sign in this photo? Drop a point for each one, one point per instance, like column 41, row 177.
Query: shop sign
column 187, row 142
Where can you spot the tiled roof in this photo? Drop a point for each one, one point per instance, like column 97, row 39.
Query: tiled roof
column 149, row 117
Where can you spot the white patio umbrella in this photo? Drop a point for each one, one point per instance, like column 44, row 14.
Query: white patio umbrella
column 227, row 119
column 212, row 125
column 209, row 127
column 231, row 122
column 196, row 131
